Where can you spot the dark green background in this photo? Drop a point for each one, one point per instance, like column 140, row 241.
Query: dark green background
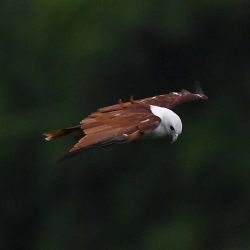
column 60, row 60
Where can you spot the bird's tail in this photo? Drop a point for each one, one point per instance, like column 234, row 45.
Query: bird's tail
column 60, row 132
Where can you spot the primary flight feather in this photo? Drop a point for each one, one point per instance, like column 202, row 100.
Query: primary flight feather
column 125, row 122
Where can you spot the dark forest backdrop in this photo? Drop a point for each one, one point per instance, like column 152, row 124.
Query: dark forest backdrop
column 61, row 60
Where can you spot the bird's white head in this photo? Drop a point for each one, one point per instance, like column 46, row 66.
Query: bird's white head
column 173, row 124
column 170, row 123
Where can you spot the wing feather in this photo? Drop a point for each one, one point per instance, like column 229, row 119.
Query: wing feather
column 169, row 100
column 118, row 126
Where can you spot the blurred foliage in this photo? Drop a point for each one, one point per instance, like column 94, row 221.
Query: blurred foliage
column 61, row 60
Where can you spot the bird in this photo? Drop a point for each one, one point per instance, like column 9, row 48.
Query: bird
column 128, row 121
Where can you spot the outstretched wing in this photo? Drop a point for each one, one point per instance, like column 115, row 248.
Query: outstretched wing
column 118, row 126
column 169, row 100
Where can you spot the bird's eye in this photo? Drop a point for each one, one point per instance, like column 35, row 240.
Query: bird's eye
column 171, row 127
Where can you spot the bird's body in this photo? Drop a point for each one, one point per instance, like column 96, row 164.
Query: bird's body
column 125, row 122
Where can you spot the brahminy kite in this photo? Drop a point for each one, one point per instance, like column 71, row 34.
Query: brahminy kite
column 128, row 121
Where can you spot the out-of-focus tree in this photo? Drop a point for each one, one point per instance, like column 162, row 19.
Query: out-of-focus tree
column 61, row 60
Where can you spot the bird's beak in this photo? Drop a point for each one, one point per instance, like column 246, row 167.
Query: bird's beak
column 174, row 137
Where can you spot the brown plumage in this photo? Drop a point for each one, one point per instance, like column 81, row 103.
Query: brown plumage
column 123, row 122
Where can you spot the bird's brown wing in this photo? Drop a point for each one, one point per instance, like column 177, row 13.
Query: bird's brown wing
column 119, row 126
column 169, row 100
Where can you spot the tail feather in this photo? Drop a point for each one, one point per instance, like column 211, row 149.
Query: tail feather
column 60, row 132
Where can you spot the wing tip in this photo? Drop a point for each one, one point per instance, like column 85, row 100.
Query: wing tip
column 199, row 91
column 202, row 96
column 198, row 94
